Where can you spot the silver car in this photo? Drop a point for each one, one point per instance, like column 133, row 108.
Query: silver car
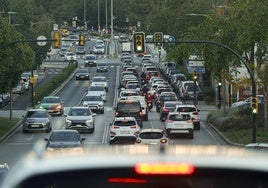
column 80, row 118
column 94, row 102
column 36, row 120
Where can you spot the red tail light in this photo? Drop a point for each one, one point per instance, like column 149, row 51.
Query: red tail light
column 138, row 141
column 195, row 113
column 169, row 121
column 165, row 110
column 115, row 127
column 189, row 121
column 133, row 127
column 116, row 113
column 163, row 141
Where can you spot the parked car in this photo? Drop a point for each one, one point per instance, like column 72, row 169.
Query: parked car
column 64, row 139
column 124, row 129
column 94, row 102
column 179, row 123
column 152, row 137
column 246, row 102
column 80, row 118
column 53, row 104
column 82, row 74
column 19, row 89
column 4, row 99
column 36, row 120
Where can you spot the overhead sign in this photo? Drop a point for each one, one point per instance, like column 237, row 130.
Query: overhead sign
column 196, row 63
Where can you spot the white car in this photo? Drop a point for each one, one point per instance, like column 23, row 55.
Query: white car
column 80, row 118
column 100, row 81
column 124, row 129
column 152, row 137
column 99, row 90
column 193, row 111
column 98, row 49
column 70, row 56
column 94, row 102
column 179, row 123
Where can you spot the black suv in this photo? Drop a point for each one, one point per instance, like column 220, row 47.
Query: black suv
column 129, row 108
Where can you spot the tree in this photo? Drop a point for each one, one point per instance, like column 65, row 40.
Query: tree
column 15, row 58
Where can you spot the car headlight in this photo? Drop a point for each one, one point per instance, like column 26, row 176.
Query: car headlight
column 90, row 121
column 68, row 121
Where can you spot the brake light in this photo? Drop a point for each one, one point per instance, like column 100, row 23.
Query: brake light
column 189, row 121
column 163, row 141
column 195, row 113
column 116, row 113
column 133, row 127
column 138, row 141
column 169, row 121
column 165, row 110
column 115, row 127
column 126, row 180
column 164, row 168
column 141, row 113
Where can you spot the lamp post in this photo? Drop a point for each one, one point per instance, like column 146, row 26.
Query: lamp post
column 219, row 95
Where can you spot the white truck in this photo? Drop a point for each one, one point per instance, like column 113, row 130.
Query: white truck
column 126, row 46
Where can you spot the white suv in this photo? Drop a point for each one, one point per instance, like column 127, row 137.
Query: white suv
column 193, row 111
column 124, row 129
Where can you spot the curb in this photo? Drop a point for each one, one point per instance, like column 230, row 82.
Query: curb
column 223, row 137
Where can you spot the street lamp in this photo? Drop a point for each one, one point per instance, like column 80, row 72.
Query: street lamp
column 219, row 95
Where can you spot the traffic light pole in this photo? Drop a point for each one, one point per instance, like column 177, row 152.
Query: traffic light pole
column 240, row 58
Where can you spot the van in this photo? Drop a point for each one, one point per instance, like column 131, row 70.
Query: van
column 129, row 108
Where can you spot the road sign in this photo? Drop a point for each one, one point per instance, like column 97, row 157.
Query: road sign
column 41, row 43
column 200, row 70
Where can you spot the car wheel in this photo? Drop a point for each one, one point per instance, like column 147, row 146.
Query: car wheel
column 191, row 134
column 197, row 126
column 92, row 130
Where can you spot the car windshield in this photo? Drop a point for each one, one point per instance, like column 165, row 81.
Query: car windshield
column 82, row 71
column 64, row 137
column 79, row 112
column 124, row 123
column 151, row 135
column 178, row 117
column 96, row 88
column 93, row 98
column 50, row 100
column 91, row 58
column 36, row 114
column 99, row 79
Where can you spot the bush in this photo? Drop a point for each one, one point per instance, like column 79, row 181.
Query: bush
column 54, row 83
column 208, row 94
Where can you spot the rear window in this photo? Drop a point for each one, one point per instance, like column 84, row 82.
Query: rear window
column 151, row 135
column 129, row 106
column 125, row 123
column 178, row 117
column 186, row 109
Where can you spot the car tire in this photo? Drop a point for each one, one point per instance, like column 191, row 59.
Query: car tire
column 92, row 130
column 191, row 134
column 197, row 126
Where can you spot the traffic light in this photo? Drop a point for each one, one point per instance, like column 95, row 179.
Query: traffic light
column 139, row 42
column 195, row 74
column 158, row 38
column 254, row 105
column 82, row 40
column 56, row 37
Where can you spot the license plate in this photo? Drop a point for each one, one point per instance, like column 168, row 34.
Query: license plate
column 35, row 126
column 125, row 132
